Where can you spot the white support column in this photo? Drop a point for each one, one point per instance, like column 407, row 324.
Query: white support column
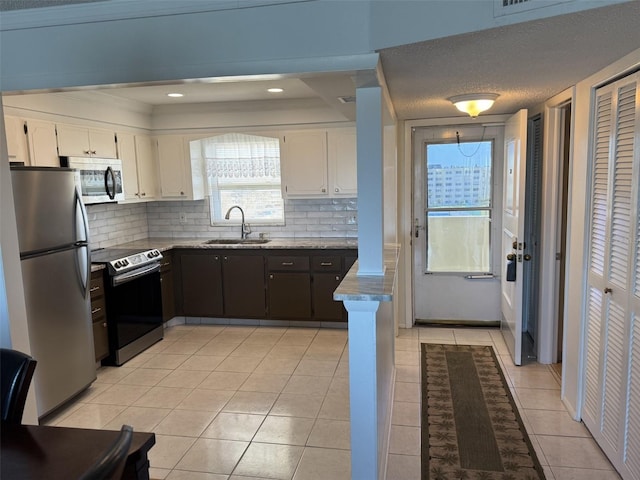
column 363, row 388
column 369, row 128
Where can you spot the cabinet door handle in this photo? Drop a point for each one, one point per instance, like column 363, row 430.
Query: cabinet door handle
column 338, row 277
column 337, row 189
column 144, row 194
column 326, row 264
column 287, row 264
column 608, row 290
column 93, row 289
column 271, row 276
column 323, row 190
column 95, row 310
column 87, row 151
column 104, row 324
column 165, row 264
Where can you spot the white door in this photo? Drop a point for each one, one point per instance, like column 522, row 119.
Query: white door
column 457, row 196
column 513, row 245
column 612, row 341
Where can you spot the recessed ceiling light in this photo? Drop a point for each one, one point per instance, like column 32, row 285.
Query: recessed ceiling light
column 275, row 90
column 175, row 95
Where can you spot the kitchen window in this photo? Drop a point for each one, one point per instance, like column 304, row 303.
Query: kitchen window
column 243, row 170
column 458, row 225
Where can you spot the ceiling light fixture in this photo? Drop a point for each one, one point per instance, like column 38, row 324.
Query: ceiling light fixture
column 275, row 90
column 175, row 95
column 474, row 103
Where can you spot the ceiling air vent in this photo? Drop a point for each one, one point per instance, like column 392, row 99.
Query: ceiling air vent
column 348, row 99
column 507, row 7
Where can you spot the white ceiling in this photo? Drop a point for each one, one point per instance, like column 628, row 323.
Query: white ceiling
column 525, row 64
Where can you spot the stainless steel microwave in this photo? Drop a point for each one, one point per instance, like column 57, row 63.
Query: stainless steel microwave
column 99, row 179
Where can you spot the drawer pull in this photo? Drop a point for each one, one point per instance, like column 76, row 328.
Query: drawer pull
column 326, row 264
column 271, row 276
column 93, row 289
column 337, row 277
column 166, row 264
column 96, row 310
column 287, row 264
column 104, row 324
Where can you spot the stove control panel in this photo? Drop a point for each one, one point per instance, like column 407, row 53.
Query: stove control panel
column 134, row 260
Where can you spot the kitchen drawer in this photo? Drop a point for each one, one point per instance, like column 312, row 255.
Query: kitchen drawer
column 326, row 263
column 96, row 285
column 288, row 263
column 98, row 309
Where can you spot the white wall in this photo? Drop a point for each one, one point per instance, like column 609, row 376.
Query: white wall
column 577, row 233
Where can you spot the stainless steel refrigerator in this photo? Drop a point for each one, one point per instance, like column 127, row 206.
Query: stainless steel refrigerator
column 56, row 269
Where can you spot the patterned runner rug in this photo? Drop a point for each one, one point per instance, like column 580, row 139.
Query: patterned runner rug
column 471, row 428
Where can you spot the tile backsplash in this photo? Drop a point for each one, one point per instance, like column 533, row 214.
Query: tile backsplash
column 112, row 224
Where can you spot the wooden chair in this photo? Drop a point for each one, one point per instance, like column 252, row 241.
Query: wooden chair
column 112, row 462
column 16, row 371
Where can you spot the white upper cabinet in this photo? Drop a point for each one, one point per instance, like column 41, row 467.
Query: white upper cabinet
column 319, row 163
column 343, row 162
column 139, row 172
column 77, row 141
column 43, row 147
column 178, row 180
column 147, row 171
column 303, row 161
column 17, row 146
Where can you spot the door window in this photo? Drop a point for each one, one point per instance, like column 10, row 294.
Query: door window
column 458, row 186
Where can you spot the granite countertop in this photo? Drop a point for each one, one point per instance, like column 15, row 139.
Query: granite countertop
column 370, row 287
column 164, row 244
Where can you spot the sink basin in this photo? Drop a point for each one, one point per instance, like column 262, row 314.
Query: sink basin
column 236, row 241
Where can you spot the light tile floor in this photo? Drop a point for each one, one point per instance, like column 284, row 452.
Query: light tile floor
column 252, row 403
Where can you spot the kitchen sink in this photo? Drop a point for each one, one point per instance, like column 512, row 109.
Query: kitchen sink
column 237, row 241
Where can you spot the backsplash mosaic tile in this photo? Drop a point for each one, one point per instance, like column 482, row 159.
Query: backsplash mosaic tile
column 112, row 224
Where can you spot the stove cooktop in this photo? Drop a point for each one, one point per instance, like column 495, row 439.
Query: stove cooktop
column 120, row 260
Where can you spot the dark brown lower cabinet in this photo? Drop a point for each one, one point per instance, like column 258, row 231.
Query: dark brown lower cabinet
column 289, row 295
column 168, row 294
column 243, row 286
column 325, row 308
column 99, row 316
column 201, row 282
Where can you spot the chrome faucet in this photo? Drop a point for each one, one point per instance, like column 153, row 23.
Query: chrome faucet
column 245, row 229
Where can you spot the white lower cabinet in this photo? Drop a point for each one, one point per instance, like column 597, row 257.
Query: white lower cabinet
column 139, row 172
column 319, row 163
column 180, row 178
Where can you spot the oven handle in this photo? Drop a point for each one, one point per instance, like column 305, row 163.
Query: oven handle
column 134, row 274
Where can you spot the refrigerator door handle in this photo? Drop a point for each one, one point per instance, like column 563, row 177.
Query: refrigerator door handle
column 111, row 192
column 84, row 245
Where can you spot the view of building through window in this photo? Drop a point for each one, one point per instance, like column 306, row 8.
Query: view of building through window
column 458, row 209
column 243, row 170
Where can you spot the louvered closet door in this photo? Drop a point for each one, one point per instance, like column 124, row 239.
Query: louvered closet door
column 612, row 369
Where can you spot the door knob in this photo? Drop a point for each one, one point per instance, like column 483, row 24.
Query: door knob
column 511, row 257
column 527, row 257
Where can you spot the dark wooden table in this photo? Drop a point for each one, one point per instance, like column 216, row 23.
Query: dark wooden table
column 39, row 452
